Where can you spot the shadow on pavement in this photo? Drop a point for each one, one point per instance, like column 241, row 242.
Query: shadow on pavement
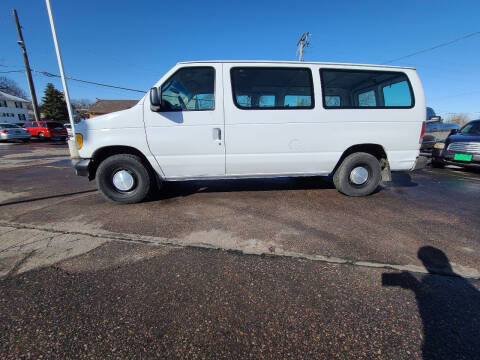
column 448, row 305
column 400, row 179
column 186, row 188
column 46, row 198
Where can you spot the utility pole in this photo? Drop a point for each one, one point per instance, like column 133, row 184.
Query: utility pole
column 21, row 43
column 303, row 43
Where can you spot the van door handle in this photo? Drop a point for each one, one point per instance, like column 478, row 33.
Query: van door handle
column 217, row 134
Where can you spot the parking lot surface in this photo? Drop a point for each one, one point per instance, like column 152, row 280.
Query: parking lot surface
column 272, row 268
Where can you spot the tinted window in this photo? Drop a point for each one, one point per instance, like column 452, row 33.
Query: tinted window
column 297, row 101
column 272, row 88
column 52, row 125
column 472, row 128
column 189, row 89
column 367, row 98
column 332, row 100
column 356, row 89
column 397, row 94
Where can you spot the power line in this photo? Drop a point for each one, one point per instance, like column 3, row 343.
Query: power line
column 434, row 47
column 48, row 74
column 11, row 71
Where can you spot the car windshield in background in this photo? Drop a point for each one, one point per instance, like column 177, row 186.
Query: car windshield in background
column 54, row 125
column 471, row 129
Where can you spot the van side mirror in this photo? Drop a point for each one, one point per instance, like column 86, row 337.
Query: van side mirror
column 155, row 99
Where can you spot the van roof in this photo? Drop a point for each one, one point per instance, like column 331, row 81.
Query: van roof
column 294, row 62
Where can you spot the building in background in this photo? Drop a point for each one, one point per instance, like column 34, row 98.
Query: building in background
column 101, row 107
column 13, row 109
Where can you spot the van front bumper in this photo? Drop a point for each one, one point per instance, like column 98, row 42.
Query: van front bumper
column 82, row 167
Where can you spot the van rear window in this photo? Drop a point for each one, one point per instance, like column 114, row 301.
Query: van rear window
column 364, row 89
column 272, row 88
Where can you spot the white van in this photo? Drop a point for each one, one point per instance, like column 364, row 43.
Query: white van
column 239, row 119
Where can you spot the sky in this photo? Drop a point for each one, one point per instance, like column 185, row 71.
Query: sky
column 133, row 43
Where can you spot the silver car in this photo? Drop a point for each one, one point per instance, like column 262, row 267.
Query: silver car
column 13, row 132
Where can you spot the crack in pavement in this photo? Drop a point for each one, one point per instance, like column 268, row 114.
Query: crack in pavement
column 19, row 264
column 177, row 243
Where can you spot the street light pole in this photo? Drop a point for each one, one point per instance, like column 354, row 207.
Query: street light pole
column 31, row 86
column 60, row 65
column 72, row 142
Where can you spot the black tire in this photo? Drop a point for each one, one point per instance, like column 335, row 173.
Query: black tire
column 135, row 167
column 437, row 164
column 41, row 136
column 342, row 179
column 25, row 141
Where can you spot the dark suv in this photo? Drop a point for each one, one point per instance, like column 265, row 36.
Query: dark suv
column 461, row 147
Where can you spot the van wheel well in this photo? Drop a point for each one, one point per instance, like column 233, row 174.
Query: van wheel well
column 105, row 152
column 374, row 149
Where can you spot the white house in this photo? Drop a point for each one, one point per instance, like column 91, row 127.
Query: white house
column 13, row 109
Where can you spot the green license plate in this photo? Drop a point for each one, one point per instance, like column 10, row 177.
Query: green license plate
column 462, row 157
column 17, row 132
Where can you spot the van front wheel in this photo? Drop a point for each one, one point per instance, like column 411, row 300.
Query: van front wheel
column 358, row 175
column 123, row 178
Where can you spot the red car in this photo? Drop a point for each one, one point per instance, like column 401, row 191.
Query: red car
column 46, row 129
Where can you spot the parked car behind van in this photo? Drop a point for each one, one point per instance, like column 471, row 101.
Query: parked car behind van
column 435, row 130
column 46, row 130
column 13, row 132
column 240, row 119
column 461, row 148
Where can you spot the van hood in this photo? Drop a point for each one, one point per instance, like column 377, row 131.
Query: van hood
column 132, row 117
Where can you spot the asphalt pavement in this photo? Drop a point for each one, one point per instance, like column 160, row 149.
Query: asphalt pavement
column 264, row 268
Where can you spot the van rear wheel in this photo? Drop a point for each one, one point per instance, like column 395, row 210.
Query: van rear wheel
column 123, row 178
column 359, row 174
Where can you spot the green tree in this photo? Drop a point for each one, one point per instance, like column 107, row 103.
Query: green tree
column 53, row 105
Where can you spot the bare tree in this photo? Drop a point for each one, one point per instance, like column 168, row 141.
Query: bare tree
column 460, row 118
column 11, row 87
column 81, row 103
column 80, row 106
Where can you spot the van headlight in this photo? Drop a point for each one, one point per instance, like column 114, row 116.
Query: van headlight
column 439, row 145
column 79, row 138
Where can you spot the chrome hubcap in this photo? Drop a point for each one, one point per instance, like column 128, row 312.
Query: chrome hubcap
column 123, row 180
column 359, row 175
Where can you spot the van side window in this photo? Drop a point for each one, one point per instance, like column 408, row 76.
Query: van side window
column 272, row 88
column 332, row 100
column 367, row 98
column 360, row 89
column 189, row 89
column 397, row 94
